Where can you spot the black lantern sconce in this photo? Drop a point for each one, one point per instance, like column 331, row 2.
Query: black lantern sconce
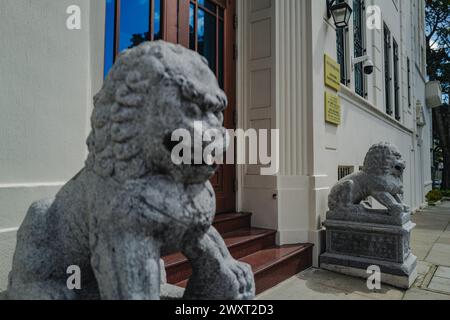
column 341, row 13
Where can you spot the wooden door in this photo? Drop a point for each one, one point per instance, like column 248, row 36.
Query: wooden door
column 208, row 27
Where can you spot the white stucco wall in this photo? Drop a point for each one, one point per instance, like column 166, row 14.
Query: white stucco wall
column 312, row 150
column 47, row 77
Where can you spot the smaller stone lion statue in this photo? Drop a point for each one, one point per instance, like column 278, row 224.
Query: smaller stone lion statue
column 381, row 177
column 131, row 204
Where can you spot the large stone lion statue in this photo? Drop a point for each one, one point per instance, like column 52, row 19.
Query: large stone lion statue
column 381, row 177
column 131, row 204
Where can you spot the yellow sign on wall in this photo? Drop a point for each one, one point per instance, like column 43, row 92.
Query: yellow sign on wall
column 332, row 73
column 332, row 108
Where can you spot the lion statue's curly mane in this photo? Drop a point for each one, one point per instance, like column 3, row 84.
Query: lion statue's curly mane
column 118, row 138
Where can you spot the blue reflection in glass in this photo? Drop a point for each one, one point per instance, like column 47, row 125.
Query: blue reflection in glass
column 157, row 29
column 206, row 32
column 208, row 5
column 192, row 26
column 134, row 23
column 221, row 54
column 109, row 35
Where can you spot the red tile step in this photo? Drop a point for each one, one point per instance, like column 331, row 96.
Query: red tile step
column 229, row 222
column 272, row 266
column 240, row 243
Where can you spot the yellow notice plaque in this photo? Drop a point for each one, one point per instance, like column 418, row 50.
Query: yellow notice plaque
column 332, row 73
column 332, row 108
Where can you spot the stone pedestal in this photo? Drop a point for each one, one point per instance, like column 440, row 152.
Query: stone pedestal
column 356, row 241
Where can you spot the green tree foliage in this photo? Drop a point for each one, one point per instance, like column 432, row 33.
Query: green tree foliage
column 438, row 42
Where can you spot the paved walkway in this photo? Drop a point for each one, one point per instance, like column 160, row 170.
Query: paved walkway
column 430, row 242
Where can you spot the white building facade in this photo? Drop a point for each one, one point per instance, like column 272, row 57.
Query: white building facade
column 49, row 73
column 292, row 38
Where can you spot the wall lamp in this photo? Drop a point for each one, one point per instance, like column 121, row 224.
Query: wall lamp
column 340, row 12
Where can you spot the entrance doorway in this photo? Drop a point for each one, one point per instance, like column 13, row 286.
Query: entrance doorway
column 206, row 26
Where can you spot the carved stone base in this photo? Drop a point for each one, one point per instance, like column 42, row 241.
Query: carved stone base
column 352, row 247
column 402, row 282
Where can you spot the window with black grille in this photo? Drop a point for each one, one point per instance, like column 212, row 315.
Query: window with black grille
column 359, row 46
column 396, row 82
column 408, row 66
column 387, row 69
column 341, row 44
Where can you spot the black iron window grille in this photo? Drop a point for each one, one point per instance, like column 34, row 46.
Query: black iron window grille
column 387, row 69
column 341, row 43
column 359, row 46
column 396, row 82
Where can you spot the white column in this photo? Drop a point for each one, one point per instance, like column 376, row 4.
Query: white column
column 292, row 114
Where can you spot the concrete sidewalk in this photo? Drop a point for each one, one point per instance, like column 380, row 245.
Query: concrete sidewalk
column 430, row 242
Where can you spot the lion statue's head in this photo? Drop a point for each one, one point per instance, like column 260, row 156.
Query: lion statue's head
column 384, row 159
column 151, row 91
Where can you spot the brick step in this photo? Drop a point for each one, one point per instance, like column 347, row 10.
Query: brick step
column 229, row 222
column 240, row 243
column 276, row 264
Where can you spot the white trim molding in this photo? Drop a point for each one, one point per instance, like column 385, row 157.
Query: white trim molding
column 8, row 230
column 16, row 198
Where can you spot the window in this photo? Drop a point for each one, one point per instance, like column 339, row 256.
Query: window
column 419, row 35
column 408, row 66
column 341, row 37
column 341, row 43
column 109, row 35
column 422, row 58
column 344, row 171
column 396, row 82
column 359, row 46
column 129, row 23
column 387, row 69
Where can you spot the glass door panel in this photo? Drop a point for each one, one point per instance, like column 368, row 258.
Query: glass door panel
column 129, row 23
column 206, row 34
column 208, row 28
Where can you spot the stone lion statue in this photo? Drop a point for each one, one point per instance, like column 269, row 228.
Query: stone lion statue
column 381, row 177
column 131, row 205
